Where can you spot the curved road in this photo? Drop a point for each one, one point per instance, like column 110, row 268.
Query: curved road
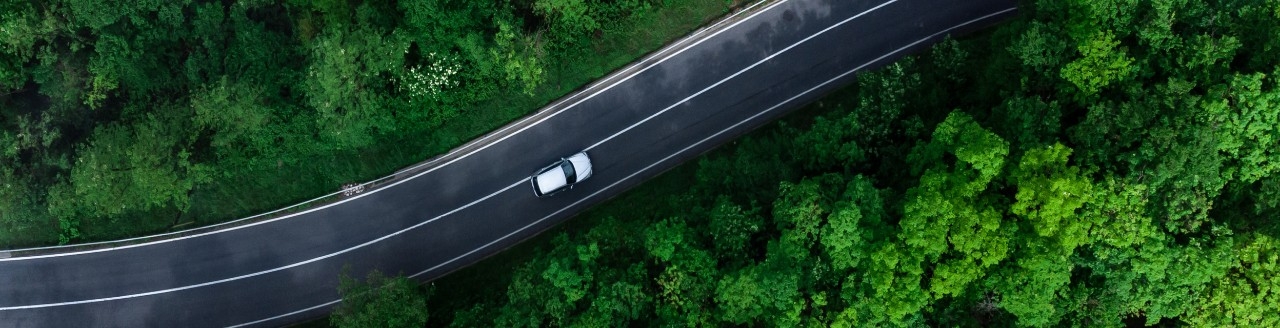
column 685, row 100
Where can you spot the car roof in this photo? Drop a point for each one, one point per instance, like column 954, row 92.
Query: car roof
column 551, row 180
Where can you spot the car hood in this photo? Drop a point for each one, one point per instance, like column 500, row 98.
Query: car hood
column 581, row 166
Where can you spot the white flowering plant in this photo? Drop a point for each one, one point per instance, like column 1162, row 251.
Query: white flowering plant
column 427, row 81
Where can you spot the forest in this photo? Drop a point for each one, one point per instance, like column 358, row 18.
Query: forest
column 1101, row 163
column 122, row 118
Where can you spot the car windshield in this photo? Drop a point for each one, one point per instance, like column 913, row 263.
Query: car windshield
column 570, row 175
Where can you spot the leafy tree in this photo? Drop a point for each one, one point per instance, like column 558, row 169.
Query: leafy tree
column 1039, row 47
column 570, row 19
column 1250, row 292
column 768, row 291
column 760, row 164
column 889, row 290
column 686, row 288
column 617, row 303
column 1028, row 121
column 1140, row 142
column 517, row 57
column 130, row 168
column 1034, row 287
column 1135, row 268
column 1050, row 193
column 571, row 282
column 559, row 289
column 344, row 80
column 1103, row 62
column 23, row 218
column 685, row 284
column 1140, row 138
column 860, row 127
column 438, row 24
column 1050, row 196
column 732, row 230
column 849, row 230
column 22, row 27
column 1268, row 198
column 380, row 301
column 234, row 112
column 948, row 211
column 800, row 211
column 100, row 14
column 1247, row 118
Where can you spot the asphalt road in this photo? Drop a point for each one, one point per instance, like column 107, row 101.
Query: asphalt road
column 675, row 105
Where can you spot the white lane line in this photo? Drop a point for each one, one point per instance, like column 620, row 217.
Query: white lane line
column 660, row 52
column 286, row 314
column 770, row 109
column 219, row 281
column 562, row 110
column 762, row 61
column 522, row 181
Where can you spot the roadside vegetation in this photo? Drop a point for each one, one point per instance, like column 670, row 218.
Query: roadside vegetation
column 1090, row 163
column 380, row 301
column 127, row 118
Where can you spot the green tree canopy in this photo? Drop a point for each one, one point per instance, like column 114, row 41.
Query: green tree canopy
column 380, row 301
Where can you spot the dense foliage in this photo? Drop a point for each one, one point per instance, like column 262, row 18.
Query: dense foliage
column 1091, row 163
column 380, row 302
column 121, row 118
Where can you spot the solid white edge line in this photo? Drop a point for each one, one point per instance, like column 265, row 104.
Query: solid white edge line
column 508, row 187
column 312, row 260
column 770, row 109
column 780, row 104
column 561, row 110
column 735, row 74
column 286, row 314
column 659, row 53
column 504, row 190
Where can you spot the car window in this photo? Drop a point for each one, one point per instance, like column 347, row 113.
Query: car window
column 569, row 175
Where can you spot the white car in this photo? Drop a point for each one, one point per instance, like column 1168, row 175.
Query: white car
column 561, row 175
